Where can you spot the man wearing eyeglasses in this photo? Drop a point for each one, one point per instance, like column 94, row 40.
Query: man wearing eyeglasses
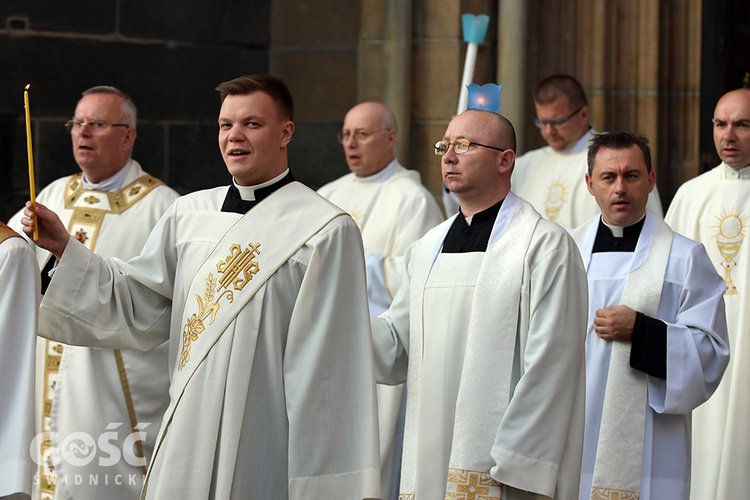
column 393, row 210
column 85, row 394
column 552, row 178
column 488, row 332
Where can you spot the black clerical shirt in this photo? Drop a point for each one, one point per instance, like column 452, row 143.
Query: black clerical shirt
column 463, row 237
column 648, row 351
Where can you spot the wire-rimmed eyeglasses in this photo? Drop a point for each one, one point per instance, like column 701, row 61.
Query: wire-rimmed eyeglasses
column 557, row 123
column 460, row 146
column 96, row 126
column 359, row 135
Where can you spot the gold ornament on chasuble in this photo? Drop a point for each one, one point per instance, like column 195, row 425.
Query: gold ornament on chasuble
column 90, row 206
column 89, row 210
column 730, row 232
column 556, row 198
column 236, row 271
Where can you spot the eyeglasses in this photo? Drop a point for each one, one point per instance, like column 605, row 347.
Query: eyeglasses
column 556, row 123
column 359, row 135
column 96, row 126
column 460, row 146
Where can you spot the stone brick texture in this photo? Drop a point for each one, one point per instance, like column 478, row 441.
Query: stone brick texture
column 169, row 56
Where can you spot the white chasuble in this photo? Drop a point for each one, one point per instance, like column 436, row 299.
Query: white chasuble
column 511, row 412
column 87, row 396
column 281, row 402
column 691, row 306
column 714, row 208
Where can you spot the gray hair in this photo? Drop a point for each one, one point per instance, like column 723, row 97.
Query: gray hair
column 129, row 110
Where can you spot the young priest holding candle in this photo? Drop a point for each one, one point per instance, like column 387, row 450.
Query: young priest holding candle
column 259, row 290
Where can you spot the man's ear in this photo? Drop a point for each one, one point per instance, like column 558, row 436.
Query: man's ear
column 506, row 162
column 287, row 131
column 129, row 140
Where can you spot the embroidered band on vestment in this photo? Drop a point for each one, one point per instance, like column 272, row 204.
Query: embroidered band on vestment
column 619, row 454
column 89, row 209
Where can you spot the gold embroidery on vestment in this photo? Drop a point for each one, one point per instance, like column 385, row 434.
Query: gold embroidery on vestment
column 239, row 267
column 610, row 494
column 472, row 485
column 556, row 197
column 84, row 225
column 81, row 236
column 236, row 271
column 730, row 233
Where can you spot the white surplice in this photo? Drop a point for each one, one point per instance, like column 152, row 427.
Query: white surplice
column 492, row 345
column 555, row 184
column 19, row 297
column 691, row 305
column 295, row 419
column 87, row 395
column 393, row 210
column 713, row 208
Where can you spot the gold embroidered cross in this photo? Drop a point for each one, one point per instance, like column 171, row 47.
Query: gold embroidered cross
column 472, row 489
column 239, row 267
column 472, row 485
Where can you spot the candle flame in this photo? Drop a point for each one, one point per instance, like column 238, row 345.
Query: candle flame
column 27, row 87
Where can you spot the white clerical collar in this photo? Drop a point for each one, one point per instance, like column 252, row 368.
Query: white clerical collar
column 380, row 175
column 736, row 173
column 619, row 231
column 109, row 185
column 247, row 193
column 581, row 144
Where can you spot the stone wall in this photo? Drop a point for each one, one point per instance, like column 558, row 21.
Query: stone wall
column 169, row 58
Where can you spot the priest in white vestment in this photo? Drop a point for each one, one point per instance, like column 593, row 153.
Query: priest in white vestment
column 713, row 208
column 260, row 290
column 19, row 298
column 393, row 210
column 552, row 178
column 657, row 343
column 488, row 331
column 108, row 403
